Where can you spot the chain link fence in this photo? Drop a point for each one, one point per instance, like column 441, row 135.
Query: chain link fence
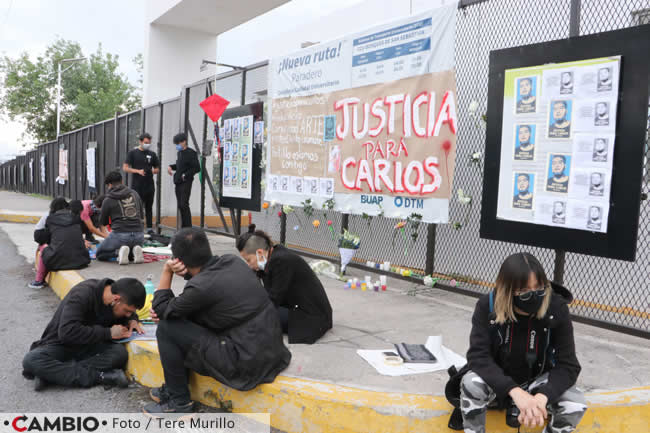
column 608, row 293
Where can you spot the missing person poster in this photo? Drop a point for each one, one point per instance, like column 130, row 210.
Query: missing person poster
column 237, row 157
column 368, row 120
column 558, row 133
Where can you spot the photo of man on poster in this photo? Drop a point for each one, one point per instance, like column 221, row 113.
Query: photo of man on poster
column 558, row 173
column 525, row 143
column 560, row 119
column 523, row 194
column 604, row 79
column 602, row 114
column 244, row 153
column 594, row 222
column 600, row 150
column 526, row 95
column 596, row 186
column 566, row 83
column 559, row 212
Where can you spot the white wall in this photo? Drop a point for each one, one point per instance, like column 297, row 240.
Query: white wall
column 172, row 59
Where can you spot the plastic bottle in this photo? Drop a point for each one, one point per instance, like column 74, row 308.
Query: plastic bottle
column 149, row 288
column 148, row 285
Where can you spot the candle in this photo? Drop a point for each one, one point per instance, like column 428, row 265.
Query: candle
column 363, row 286
column 382, row 280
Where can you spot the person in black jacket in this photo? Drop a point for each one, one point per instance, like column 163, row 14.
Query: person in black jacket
column 523, row 348
column 223, row 325
column 303, row 307
column 187, row 165
column 122, row 208
column 61, row 242
column 77, row 348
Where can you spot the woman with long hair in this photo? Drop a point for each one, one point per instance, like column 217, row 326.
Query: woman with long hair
column 303, row 308
column 522, row 353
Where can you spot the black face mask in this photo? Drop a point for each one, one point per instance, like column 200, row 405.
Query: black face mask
column 529, row 306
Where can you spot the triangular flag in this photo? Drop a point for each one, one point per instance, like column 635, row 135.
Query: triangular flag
column 214, row 106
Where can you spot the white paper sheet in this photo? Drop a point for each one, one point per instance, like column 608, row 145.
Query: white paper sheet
column 446, row 358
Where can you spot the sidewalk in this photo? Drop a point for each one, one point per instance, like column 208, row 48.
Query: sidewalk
column 328, row 387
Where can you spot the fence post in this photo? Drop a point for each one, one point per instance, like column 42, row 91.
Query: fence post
column 345, row 221
column 283, row 228
column 558, row 268
column 431, row 249
column 574, row 18
column 159, row 176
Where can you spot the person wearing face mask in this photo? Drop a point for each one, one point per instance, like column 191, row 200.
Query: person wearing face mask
column 222, row 325
column 142, row 163
column 303, row 307
column 522, row 353
column 77, row 348
column 187, row 165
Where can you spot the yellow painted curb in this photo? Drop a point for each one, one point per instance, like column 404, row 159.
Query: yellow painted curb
column 19, row 218
column 303, row 405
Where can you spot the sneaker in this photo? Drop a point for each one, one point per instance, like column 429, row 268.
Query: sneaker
column 158, row 410
column 39, row 384
column 113, row 378
column 123, row 255
column 37, row 285
column 159, row 395
column 138, row 254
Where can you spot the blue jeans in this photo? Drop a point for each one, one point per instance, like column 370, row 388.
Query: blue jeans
column 111, row 245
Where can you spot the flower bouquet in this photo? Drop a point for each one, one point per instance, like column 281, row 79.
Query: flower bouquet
column 348, row 246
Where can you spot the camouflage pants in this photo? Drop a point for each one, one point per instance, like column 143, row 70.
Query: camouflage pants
column 476, row 395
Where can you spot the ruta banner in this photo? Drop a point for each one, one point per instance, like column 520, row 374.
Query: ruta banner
column 368, row 121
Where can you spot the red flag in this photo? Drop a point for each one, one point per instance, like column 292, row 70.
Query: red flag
column 214, row 106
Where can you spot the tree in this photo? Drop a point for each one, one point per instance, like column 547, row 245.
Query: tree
column 92, row 91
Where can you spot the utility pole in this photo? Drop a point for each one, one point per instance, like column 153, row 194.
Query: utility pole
column 58, row 91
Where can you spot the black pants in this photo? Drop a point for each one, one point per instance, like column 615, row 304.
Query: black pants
column 175, row 339
column 70, row 365
column 183, row 191
column 283, row 315
column 147, row 195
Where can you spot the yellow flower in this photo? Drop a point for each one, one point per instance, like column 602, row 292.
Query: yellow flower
column 400, row 224
column 316, row 224
column 265, row 205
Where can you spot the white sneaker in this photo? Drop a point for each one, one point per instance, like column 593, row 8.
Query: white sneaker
column 123, row 255
column 138, row 254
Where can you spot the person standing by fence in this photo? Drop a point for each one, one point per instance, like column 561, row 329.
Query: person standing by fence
column 142, row 163
column 187, row 165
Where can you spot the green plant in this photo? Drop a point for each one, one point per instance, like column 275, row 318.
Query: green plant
column 414, row 220
column 308, row 208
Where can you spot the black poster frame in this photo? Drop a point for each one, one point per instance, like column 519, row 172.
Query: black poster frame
column 620, row 241
column 254, row 203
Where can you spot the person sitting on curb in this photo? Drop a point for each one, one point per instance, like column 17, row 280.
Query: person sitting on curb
column 88, row 211
column 302, row 304
column 222, row 325
column 123, row 207
column 77, row 348
column 522, row 347
column 61, row 243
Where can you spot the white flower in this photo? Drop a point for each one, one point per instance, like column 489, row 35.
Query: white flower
column 473, row 106
column 263, row 184
column 462, row 198
column 476, row 156
column 428, row 281
column 273, row 203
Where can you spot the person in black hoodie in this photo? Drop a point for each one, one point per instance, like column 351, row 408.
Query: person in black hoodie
column 187, row 165
column 77, row 348
column 122, row 208
column 61, row 242
column 522, row 347
column 222, row 325
column 303, row 307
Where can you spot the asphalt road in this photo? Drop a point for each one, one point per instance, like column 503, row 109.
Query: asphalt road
column 24, row 313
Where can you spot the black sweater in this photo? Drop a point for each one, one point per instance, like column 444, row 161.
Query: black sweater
column 486, row 355
column 124, row 208
column 82, row 317
column 291, row 283
column 187, row 165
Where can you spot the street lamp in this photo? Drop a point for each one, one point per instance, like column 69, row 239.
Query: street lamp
column 58, row 91
column 205, row 63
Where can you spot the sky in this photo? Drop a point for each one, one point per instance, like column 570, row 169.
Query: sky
column 31, row 25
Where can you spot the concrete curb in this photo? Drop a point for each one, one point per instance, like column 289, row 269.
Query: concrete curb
column 304, row 405
column 21, row 218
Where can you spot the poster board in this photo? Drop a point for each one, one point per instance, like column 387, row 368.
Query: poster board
column 368, row 120
column 91, row 163
column 63, row 165
column 43, row 168
column 238, row 177
column 532, row 223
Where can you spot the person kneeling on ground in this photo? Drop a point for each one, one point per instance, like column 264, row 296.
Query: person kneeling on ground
column 77, row 347
column 223, row 325
column 61, row 243
column 304, row 310
column 124, row 208
column 88, row 211
column 522, row 346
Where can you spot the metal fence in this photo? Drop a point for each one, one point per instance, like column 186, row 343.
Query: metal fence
column 608, row 293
